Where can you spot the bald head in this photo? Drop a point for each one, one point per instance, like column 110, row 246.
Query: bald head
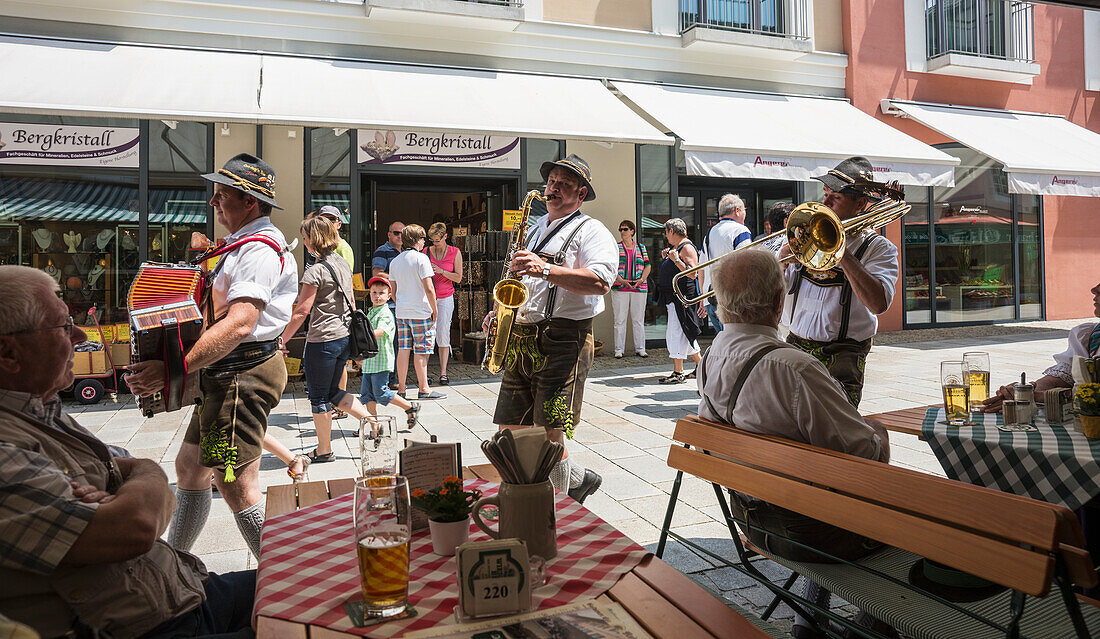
column 749, row 287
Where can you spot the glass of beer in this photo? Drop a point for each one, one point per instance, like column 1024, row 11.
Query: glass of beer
column 383, row 528
column 378, row 445
column 955, row 381
column 977, row 365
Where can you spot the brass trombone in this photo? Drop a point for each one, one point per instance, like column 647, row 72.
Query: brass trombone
column 816, row 235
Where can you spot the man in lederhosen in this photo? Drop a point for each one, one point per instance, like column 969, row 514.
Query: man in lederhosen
column 254, row 287
column 833, row 314
column 568, row 266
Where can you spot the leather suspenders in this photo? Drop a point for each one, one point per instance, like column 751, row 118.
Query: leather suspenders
column 558, row 258
column 738, row 384
column 845, row 293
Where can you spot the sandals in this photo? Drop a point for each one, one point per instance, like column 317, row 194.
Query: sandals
column 691, row 375
column 674, row 378
column 412, row 413
column 338, row 414
column 297, row 477
column 444, row 380
column 313, row 457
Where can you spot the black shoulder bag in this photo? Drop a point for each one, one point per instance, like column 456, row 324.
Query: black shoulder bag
column 362, row 342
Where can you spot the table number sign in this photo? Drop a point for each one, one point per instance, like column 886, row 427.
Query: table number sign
column 493, row 578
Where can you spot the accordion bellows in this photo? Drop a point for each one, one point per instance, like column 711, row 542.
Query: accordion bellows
column 165, row 322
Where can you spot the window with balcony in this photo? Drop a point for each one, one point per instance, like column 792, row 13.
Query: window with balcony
column 750, row 22
column 989, row 39
column 987, row 28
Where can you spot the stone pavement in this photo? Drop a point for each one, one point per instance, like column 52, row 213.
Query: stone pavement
column 624, row 435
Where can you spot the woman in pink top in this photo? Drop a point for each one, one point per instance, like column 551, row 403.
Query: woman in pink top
column 447, row 266
column 629, row 293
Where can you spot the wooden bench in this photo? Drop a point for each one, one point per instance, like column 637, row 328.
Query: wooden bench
column 1019, row 543
column 665, row 602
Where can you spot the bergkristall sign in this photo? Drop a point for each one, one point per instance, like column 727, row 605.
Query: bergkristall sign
column 63, row 145
column 420, row 148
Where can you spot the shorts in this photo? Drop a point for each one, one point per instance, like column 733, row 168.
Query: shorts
column 376, row 388
column 229, row 424
column 845, row 360
column 544, row 373
column 417, row 335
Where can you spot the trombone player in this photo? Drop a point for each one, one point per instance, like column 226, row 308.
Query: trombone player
column 833, row 313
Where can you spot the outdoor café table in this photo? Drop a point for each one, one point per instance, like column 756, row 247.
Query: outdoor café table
column 1053, row 463
column 308, row 570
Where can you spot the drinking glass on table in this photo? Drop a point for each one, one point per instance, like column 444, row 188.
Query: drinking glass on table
column 378, row 445
column 977, row 364
column 955, row 382
column 382, row 532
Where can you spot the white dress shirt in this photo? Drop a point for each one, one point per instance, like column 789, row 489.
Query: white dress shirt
column 1078, row 345
column 725, row 236
column 817, row 313
column 788, row 394
column 254, row 271
column 593, row 248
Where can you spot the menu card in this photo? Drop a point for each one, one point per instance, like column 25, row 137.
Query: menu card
column 424, row 466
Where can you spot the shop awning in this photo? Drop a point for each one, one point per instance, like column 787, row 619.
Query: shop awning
column 79, row 202
column 227, row 86
column 1042, row 154
column 763, row 135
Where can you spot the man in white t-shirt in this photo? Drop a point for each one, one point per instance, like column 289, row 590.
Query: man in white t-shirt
column 411, row 274
column 728, row 234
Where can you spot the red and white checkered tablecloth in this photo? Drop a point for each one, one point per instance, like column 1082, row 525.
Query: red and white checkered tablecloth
column 308, row 567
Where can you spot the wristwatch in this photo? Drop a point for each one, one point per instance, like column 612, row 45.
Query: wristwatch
column 546, row 272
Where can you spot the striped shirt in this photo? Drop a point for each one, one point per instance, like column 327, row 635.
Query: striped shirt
column 40, row 519
column 381, row 318
column 632, row 269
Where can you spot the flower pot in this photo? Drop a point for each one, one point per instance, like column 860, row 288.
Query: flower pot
column 447, row 536
column 1091, row 426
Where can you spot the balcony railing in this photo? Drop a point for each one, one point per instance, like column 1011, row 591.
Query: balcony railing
column 779, row 18
column 1001, row 29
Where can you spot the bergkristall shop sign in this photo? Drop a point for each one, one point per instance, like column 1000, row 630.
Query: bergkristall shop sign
column 417, row 148
column 62, row 145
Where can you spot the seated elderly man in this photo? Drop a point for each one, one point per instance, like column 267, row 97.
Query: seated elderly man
column 755, row 381
column 1084, row 340
column 80, row 547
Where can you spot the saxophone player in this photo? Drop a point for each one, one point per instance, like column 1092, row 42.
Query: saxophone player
column 568, row 264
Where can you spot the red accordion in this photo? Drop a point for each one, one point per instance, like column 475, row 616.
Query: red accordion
column 165, row 322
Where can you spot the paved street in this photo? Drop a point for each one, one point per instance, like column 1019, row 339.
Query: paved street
column 624, row 435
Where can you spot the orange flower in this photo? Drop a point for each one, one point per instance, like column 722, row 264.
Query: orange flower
column 418, row 492
column 451, row 479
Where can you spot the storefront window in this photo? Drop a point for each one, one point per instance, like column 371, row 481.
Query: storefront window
column 329, row 183
column 919, row 298
column 539, row 151
column 655, row 208
column 69, row 217
column 1028, row 238
column 177, row 194
column 974, row 255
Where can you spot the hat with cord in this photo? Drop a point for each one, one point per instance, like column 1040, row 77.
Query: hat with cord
column 248, row 174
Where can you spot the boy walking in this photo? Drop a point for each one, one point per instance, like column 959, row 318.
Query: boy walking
column 376, row 370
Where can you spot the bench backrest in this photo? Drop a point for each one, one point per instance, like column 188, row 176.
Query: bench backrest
column 1004, row 538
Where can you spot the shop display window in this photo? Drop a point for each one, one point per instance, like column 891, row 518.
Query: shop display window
column 966, row 249
column 655, row 200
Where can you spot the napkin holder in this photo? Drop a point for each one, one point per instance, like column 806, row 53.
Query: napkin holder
column 1057, row 401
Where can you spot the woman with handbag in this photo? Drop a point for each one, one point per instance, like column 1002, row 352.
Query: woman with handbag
column 325, row 298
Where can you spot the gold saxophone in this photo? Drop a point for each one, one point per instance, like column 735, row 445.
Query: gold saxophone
column 508, row 294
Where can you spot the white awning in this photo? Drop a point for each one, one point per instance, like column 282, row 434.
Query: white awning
column 383, row 96
column 68, row 78
column 770, row 136
column 1042, row 154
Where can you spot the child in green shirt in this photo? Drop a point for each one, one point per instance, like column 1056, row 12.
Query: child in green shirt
column 376, row 370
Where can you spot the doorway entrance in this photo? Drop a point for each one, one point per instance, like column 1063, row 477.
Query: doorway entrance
column 697, row 202
column 470, row 204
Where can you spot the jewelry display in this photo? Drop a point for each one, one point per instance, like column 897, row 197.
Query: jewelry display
column 43, row 238
column 127, row 241
column 95, row 274
column 53, row 271
column 104, row 238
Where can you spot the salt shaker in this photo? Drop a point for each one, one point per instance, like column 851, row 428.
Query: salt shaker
column 1025, row 402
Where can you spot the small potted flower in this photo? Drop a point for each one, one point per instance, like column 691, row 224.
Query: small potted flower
column 1086, row 403
column 448, row 510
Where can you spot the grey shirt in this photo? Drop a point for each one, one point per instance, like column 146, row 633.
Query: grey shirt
column 328, row 320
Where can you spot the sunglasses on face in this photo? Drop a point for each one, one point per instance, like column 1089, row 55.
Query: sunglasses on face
column 624, row 229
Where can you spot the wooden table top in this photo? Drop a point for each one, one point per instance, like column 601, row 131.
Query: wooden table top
column 665, row 602
column 906, row 420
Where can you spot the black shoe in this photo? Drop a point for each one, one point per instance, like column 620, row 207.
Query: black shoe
column 674, row 378
column 590, row 484
column 690, row 375
column 393, row 386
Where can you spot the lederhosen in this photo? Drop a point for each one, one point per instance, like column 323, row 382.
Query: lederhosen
column 239, row 391
column 844, row 358
column 546, row 363
column 771, row 527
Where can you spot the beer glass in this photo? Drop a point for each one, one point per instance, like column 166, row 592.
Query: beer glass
column 382, row 532
column 977, row 365
column 955, row 381
column 378, row 445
